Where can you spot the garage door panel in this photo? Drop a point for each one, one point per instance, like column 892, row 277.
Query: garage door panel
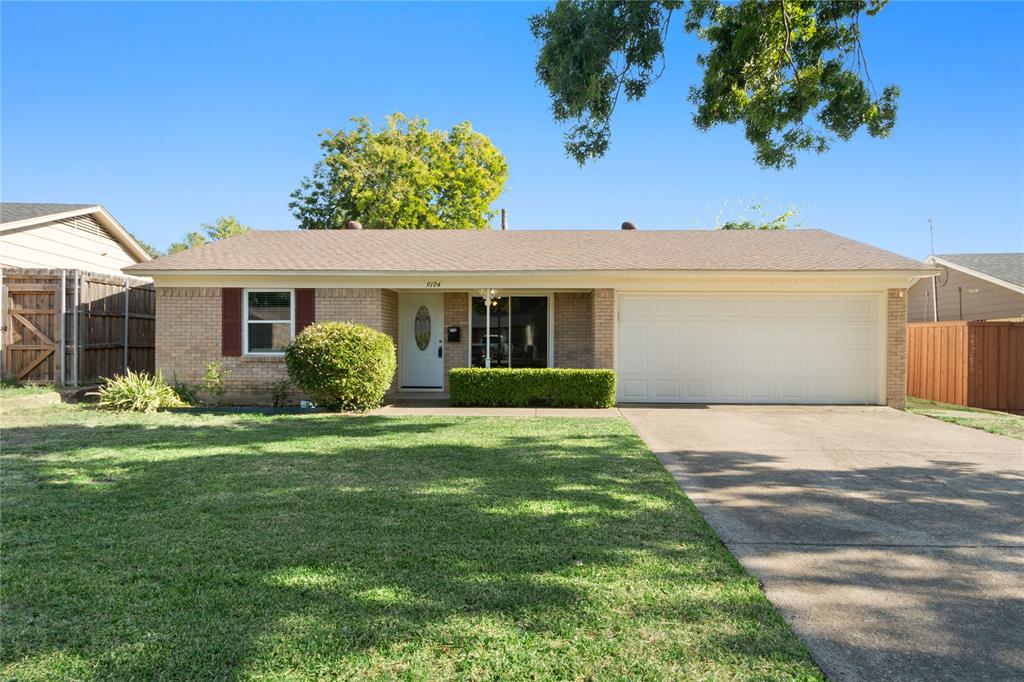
column 699, row 335
column 732, row 362
column 666, row 389
column 750, row 348
column 665, row 334
column 666, row 361
column 732, row 335
column 697, row 359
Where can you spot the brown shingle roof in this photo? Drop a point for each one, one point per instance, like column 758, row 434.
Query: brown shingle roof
column 532, row 250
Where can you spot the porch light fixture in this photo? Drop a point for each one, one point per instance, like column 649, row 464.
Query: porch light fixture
column 490, row 299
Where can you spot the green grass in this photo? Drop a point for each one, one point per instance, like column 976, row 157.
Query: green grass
column 1000, row 423
column 173, row 546
column 11, row 390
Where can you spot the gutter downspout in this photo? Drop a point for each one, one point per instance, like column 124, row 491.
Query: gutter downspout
column 127, row 300
column 63, row 327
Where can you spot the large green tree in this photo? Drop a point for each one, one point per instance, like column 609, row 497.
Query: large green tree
column 792, row 72
column 222, row 228
column 402, row 176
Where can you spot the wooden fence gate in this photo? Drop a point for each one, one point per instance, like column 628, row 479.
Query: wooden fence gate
column 31, row 329
column 71, row 328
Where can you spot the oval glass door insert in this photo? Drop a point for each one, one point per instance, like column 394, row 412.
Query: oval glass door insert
column 421, row 327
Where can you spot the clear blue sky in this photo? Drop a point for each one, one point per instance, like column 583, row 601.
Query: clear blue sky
column 174, row 114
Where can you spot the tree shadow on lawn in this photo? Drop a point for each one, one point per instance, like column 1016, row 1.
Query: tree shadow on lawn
column 371, row 546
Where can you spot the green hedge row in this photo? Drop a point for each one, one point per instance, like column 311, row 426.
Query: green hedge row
column 478, row 387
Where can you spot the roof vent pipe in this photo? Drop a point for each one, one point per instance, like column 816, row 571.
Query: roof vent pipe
column 628, row 225
column 504, row 219
column 353, row 225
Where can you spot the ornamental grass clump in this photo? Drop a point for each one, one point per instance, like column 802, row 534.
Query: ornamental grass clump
column 137, row 392
column 342, row 366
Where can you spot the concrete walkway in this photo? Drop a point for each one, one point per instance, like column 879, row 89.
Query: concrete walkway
column 892, row 543
column 445, row 411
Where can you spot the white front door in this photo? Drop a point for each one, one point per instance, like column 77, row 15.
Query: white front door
column 421, row 325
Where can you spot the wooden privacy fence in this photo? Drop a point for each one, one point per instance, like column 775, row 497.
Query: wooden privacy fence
column 70, row 327
column 976, row 364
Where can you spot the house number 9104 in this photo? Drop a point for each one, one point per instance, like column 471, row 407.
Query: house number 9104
column 433, row 285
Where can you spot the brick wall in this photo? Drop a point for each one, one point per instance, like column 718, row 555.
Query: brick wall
column 364, row 306
column 603, row 325
column 574, row 332
column 896, row 349
column 188, row 328
column 456, row 314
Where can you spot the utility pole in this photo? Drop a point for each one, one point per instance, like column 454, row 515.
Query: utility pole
column 935, row 284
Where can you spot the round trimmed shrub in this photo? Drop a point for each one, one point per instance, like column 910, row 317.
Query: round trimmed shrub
column 341, row 365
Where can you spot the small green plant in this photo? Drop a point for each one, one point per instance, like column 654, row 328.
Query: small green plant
column 531, row 387
column 214, row 380
column 341, row 365
column 187, row 393
column 137, row 392
column 279, row 391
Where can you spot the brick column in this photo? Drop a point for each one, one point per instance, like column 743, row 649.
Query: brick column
column 456, row 314
column 603, row 321
column 896, row 349
column 574, row 330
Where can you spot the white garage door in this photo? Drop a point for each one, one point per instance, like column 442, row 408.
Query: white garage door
column 750, row 348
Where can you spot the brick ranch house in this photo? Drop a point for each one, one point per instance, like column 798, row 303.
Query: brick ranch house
column 717, row 316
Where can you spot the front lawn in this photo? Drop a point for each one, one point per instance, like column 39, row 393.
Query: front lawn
column 1001, row 423
column 179, row 546
column 11, row 390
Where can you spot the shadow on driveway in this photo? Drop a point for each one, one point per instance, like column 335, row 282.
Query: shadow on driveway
column 892, row 543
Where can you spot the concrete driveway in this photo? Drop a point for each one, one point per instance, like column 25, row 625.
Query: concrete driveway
column 892, row 543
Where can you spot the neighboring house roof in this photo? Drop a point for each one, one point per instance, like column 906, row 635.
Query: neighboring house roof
column 17, row 216
column 532, row 251
column 11, row 212
column 1006, row 269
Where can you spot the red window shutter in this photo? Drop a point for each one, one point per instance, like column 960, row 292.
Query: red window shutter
column 305, row 308
column 231, row 322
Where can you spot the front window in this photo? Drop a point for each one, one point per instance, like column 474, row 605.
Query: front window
column 268, row 321
column 518, row 333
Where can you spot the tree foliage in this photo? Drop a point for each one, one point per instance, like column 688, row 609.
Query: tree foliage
column 402, row 176
column 148, row 248
column 222, row 228
column 792, row 72
column 757, row 218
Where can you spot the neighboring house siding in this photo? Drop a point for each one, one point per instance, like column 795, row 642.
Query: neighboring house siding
column 188, row 336
column 79, row 243
column 989, row 302
column 574, row 346
column 896, row 349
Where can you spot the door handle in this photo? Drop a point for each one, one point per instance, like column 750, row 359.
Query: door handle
column 439, row 350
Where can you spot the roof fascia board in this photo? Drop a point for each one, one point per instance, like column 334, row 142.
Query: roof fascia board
column 122, row 235
column 756, row 274
column 975, row 273
column 626, row 281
